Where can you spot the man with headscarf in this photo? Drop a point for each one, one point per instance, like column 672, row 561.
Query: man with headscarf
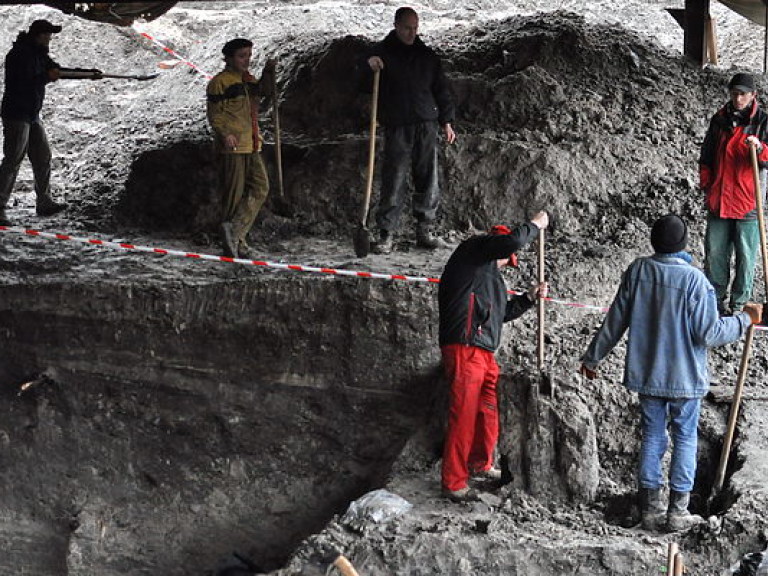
column 473, row 306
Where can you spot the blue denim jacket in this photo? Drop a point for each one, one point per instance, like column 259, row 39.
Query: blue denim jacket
column 670, row 309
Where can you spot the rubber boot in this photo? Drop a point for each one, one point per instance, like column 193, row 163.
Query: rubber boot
column 652, row 509
column 385, row 244
column 47, row 206
column 425, row 238
column 678, row 517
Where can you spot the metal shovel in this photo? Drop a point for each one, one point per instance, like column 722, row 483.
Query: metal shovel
column 362, row 239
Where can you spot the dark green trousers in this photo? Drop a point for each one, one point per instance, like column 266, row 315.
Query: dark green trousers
column 724, row 239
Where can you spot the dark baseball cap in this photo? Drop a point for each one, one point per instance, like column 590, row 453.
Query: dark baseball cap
column 43, row 27
column 742, row 83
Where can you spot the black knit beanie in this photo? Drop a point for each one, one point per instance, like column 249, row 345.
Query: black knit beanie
column 669, row 234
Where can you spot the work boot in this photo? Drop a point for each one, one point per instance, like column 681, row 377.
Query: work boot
column 489, row 474
column 47, row 206
column 678, row 517
column 4, row 218
column 246, row 252
column 385, row 244
column 465, row 494
column 228, row 241
column 652, row 509
column 425, row 238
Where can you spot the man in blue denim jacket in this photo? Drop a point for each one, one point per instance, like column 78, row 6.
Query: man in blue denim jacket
column 670, row 309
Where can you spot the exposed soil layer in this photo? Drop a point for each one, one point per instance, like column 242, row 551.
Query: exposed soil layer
column 158, row 413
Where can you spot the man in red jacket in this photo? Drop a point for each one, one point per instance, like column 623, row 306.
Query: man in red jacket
column 727, row 179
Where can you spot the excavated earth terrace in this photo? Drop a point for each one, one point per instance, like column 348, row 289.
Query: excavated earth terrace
column 159, row 413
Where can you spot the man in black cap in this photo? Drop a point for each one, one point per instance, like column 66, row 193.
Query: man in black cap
column 233, row 97
column 726, row 177
column 28, row 69
column 670, row 310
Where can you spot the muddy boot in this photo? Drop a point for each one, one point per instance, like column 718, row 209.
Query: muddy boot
column 678, row 517
column 465, row 494
column 246, row 252
column 425, row 238
column 4, row 218
column 228, row 241
column 385, row 244
column 47, row 206
column 654, row 515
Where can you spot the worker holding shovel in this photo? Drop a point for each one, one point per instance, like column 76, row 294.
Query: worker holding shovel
column 473, row 307
column 28, row 69
column 670, row 310
column 726, row 177
column 233, row 112
column 415, row 104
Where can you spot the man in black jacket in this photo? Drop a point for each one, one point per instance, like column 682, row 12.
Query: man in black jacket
column 473, row 306
column 28, row 69
column 415, row 103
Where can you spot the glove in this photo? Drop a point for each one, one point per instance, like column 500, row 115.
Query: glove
column 755, row 312
column 588, row 372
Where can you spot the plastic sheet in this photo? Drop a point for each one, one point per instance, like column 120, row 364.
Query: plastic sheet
column 375, row 507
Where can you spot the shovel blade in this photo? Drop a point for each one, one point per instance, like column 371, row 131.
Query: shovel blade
column 362, row 241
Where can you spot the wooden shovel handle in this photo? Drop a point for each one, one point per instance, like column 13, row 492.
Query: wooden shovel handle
column 371, row 147
column 345, row 566
column 672, row 550
column 278, row 145
column 735, row 405
column 540, row 303
column 760, row 216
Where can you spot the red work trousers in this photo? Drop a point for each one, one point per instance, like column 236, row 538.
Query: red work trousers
column 473, row 418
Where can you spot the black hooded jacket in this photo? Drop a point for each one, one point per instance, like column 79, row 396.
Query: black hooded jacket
column 413, row 87
column 26, row 74
column 472, row 294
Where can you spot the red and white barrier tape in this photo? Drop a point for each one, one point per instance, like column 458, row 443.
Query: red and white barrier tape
column 264, row 263
column 173, row 53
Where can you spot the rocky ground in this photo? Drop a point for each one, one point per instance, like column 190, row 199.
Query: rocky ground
column 190, row 408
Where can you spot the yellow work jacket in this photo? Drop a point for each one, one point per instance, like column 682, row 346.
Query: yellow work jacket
column 232, row 104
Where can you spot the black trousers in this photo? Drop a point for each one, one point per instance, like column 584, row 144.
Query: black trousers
column 409, row 149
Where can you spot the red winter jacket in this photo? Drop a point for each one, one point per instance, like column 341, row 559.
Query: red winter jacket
column 725, row 167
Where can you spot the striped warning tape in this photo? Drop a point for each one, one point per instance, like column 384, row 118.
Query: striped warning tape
column 136, row 28
column 265, row 263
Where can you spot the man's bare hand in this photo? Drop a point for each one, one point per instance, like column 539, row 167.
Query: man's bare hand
column 450, row 135
column 590, row 373
column 230, row 142
column 376, row 63
column 541, row 220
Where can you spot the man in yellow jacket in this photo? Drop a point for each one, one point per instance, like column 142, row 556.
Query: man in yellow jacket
column 233, row 112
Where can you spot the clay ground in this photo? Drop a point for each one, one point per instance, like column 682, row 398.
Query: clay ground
column 191, row 408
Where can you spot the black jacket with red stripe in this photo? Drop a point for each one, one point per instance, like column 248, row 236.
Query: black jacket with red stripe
column 472, row 295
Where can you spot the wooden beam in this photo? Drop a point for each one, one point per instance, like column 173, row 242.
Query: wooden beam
column 694, row 41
